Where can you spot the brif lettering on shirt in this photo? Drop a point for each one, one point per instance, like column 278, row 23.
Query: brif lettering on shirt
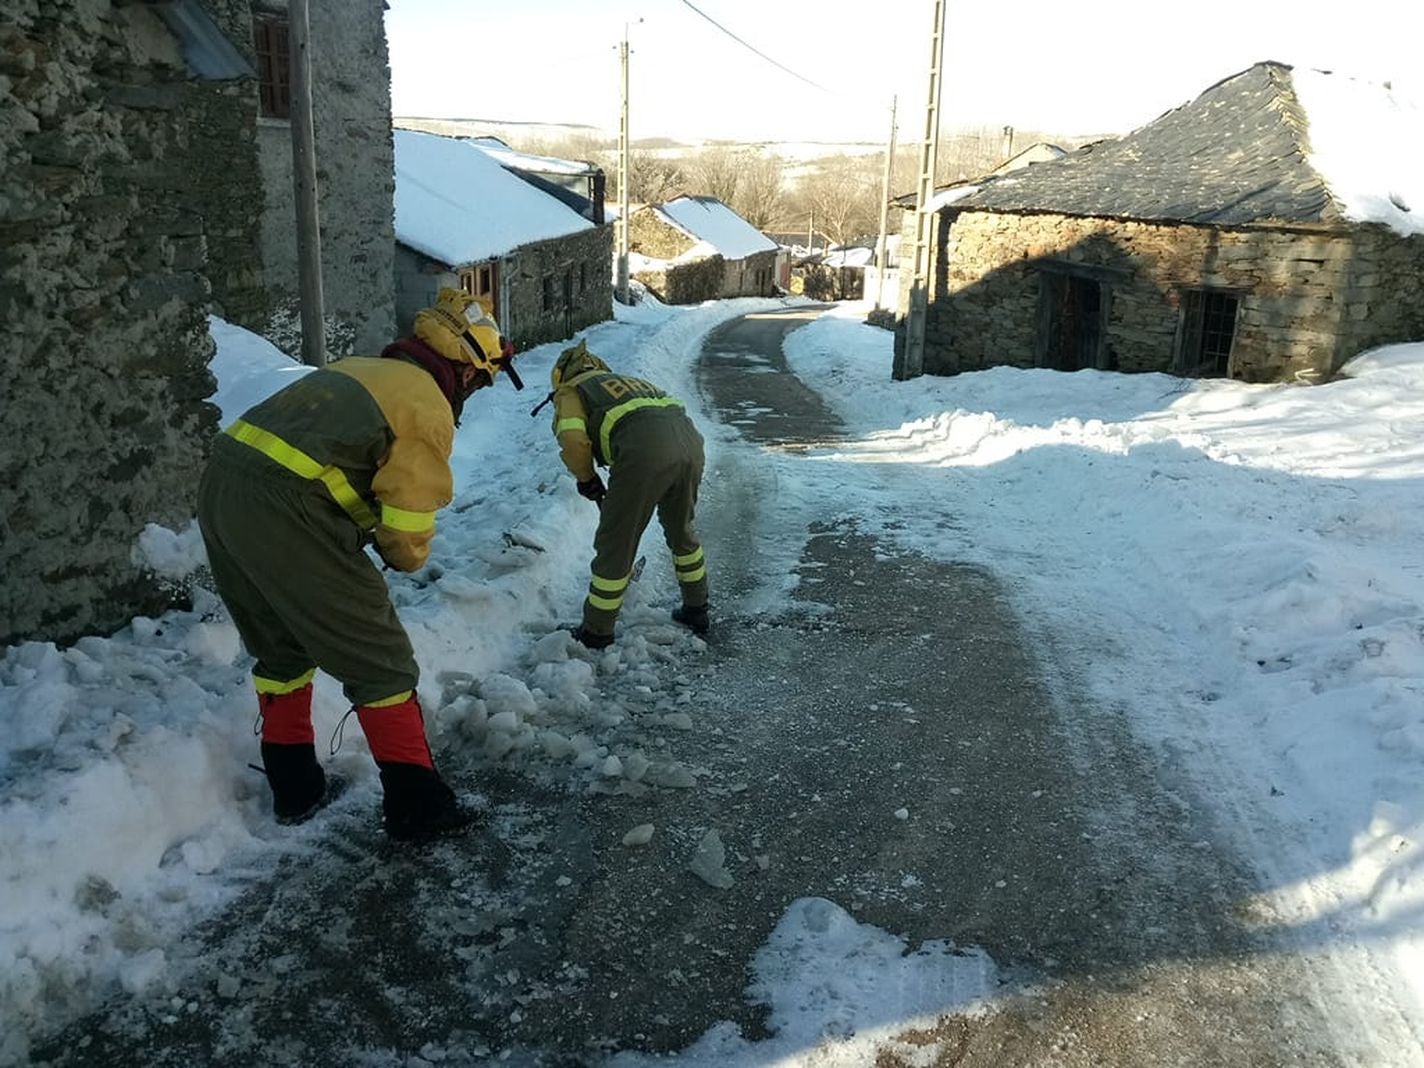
column 619, row 387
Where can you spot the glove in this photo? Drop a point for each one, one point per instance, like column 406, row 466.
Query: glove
column 593, row 489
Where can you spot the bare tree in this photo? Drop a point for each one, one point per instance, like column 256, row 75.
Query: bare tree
column 760, row 189
column 653, row 178
column 843, row 194
column 715, row 172
column 585, row 147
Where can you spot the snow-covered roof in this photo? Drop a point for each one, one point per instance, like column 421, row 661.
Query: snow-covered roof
column 708, row 219
column 853, row 256
column 945, row 197
column 1367, row 142
column 456, row 204
column 524, row 161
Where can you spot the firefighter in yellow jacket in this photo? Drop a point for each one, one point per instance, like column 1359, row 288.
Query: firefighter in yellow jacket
column 654, row 458
column 352, row 455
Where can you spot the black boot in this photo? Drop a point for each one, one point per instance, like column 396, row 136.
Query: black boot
column 297, row 781
column 591, row 639
column 418, row 804
column 693, row 617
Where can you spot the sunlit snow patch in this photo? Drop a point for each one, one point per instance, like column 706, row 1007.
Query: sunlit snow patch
column 840, row 992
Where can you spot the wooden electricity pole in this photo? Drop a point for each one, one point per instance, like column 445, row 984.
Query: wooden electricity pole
column 884, row 209
column 304, row 188
column 910, row 362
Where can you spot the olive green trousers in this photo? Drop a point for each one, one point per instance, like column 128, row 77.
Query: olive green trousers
column 289, row 565
column 657, row 466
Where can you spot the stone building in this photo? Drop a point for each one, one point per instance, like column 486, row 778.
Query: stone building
column 1218, row 239
column 674, row 240
column 351, row 117
column 463, row 219
column 131, row 179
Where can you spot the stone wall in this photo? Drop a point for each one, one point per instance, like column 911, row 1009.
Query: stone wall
column 104, row 343
column 750, row 276
column 652, row 236
column 351, row 104
column 690, row 282
column 1294, row 320
column 819, row 282
column 1384, row 298
column 584, row 259
column 221, row 138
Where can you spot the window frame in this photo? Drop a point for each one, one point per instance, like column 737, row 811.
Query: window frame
column 1201, row 316
column 271, row 40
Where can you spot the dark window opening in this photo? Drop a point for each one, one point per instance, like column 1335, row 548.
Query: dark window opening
column 1208, row 330
column 479, row 282
column 548, row 292
column 274, row 91
column 583, row 277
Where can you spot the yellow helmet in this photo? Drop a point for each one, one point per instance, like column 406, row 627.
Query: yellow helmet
column 574, row 362
column 459, row 328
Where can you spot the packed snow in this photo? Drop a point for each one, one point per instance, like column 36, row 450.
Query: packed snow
column 1235, row 566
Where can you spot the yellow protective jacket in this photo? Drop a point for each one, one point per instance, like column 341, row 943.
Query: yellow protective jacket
column 588, row 409
column 378, row 434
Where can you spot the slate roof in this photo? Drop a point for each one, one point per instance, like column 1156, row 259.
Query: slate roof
column 1038, row 152
column 1234, row 156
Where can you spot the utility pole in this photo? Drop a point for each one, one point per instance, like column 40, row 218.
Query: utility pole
column 304, row 188
column 884, row 209
column 811, row 234
column 621, row 282
column 910, row 363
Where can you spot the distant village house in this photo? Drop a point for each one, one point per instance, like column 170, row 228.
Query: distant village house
column 524, row 234
column 693, row 249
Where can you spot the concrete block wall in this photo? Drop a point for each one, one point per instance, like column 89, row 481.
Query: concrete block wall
column 419, row 280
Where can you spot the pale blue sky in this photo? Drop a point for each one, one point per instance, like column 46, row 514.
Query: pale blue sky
column 1074, row 68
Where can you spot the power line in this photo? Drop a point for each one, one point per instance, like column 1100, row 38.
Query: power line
column 753, row 48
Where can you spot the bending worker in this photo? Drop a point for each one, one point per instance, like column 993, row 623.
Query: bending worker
column 352, row 455
column 654, row 458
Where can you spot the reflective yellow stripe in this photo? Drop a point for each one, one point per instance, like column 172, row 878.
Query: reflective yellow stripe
column 299, row 463
column 691, row 558
column 692, row 576
column 386, row 702
column 612, row 416
column 570, row 424
column 410, row 522
column 277, row 687
column 604, row 585
column 608, row 604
